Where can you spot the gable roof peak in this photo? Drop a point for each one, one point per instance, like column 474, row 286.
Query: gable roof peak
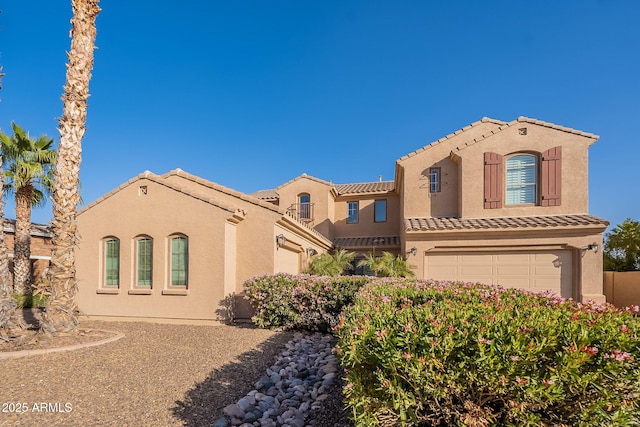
column 523, row 119
column 304, row 175
column 499, row 123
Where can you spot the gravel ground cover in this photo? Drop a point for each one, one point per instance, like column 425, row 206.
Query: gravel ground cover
column 157, row 375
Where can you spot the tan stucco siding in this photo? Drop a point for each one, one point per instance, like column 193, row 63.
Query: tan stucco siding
column 159, row 214
column 418, row 200
column 416, row 197
column 574, row 177
column 320, row 198
column 366, row 226
column 461, row 159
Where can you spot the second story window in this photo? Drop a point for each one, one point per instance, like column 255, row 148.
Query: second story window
column 352, row 212
column 434, row 180
column 305, row 206
column 521, row 178
column 144, row 261
column 380, row 211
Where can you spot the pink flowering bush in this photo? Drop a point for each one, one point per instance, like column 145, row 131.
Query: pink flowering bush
column 438, row 354
column 287, row 301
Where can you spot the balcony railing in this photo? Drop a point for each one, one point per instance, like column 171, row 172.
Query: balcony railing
column 301, row 211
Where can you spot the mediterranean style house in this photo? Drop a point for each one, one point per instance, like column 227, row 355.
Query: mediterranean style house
column 494, row 202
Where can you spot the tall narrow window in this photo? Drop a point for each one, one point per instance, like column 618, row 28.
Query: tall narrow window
column 144, row 265
column 380, row 211
column 179, row 261
column 352, row 212
column 434, row 180
column 305, row 206
column 521, row 179
column 112, row 262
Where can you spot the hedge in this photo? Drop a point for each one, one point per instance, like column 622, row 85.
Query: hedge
column 433, row 353
column 287, row 301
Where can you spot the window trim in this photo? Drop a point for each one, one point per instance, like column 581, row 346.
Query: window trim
column 375, row 210
column 357, row 211
column 438, row 181
column 535, row 181
column 105, row 264
column 136, row 266
column 170, row 253
column 304, row 207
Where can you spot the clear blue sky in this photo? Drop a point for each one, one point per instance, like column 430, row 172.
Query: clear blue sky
column 251, row 94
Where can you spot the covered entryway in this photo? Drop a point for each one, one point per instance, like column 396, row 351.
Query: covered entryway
column 534, row 271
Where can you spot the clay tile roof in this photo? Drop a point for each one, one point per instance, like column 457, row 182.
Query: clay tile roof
column 499, row 123
column 381, row 242
column 530, row 222
column 36, row 229
column 554, row 126
column 366, row 187
column 268, row 195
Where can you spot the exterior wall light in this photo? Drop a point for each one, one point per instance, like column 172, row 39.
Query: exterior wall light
column 593, row 247
column 281, row 240
column 311, row 251
column 414, row 251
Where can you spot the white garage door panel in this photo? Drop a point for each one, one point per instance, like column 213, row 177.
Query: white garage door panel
column 535, row 271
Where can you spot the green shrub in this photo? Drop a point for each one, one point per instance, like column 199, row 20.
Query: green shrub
column 286, row 301
column 441, row 354
column 30, row 300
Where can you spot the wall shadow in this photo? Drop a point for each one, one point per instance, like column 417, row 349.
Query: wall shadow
column 203, row 403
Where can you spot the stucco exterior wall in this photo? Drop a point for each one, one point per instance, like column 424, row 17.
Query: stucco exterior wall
column 366, row 226
column 622, row 288
column 416, row 199
column 320, row 197
column 159, row 213
column 537, row 140
column 461, row 159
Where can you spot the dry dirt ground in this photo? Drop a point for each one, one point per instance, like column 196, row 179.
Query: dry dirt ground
column 151, row 375
column 155, row 375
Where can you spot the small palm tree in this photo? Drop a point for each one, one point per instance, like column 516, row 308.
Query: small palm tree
column 28, row 171
column 331, row 265
column 61, row 310
column 388, row 265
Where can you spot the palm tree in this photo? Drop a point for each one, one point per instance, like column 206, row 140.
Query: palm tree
column 28, row 165
column 61, row 311
column 388, row 265
column 8, row 315
column 331, row 265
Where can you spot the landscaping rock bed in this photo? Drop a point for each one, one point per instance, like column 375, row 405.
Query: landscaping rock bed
column 294, row 391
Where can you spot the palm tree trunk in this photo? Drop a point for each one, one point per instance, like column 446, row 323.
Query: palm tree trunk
column 61, row 310
column 22, row 243
column 9, row 319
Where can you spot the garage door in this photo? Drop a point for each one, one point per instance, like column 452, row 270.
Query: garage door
column 534, row 271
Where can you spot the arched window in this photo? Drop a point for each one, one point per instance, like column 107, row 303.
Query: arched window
column 144, row 261
column 179, row 263
column 305, row 206
column 521, row 179
column 111, row 273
